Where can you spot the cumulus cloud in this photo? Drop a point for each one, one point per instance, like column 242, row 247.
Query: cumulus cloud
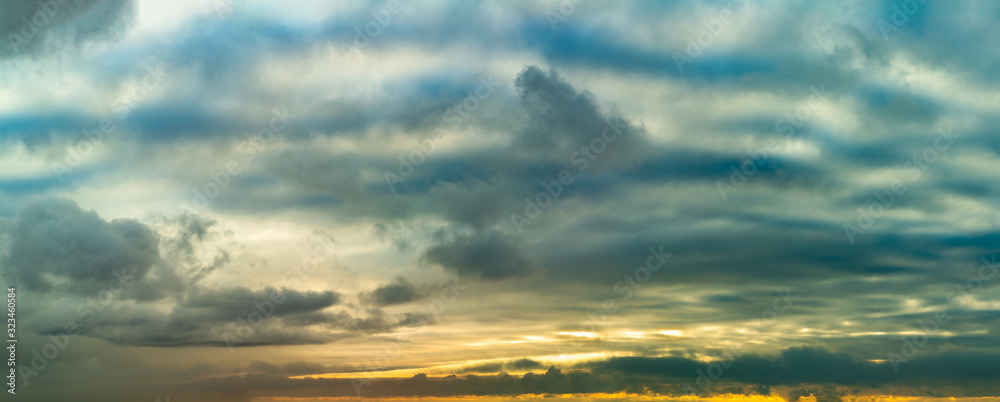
column 399, row 291
column 746, row 163
column 564, row 119
column 490, row 255
column 57, row 247
column 211, row 317
column 43, row 27
column 234, row 301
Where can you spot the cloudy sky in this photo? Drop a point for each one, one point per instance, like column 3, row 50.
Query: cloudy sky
column 223, row 200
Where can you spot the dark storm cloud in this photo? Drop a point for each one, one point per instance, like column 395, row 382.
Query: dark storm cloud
column 399, row 291
column 479, row 189
column 813, row 365
column 703, row 165
column 290, row 317
column 57, row 247
column 563, row 119
column 795, row 249
column 36, row 28
column 490, row 255
column 227, row 303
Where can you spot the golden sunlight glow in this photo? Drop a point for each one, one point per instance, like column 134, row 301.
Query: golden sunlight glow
column 575, row 397
column 599, row 397
column 582, row 334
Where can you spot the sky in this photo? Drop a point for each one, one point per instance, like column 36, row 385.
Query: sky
column 731, row 200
